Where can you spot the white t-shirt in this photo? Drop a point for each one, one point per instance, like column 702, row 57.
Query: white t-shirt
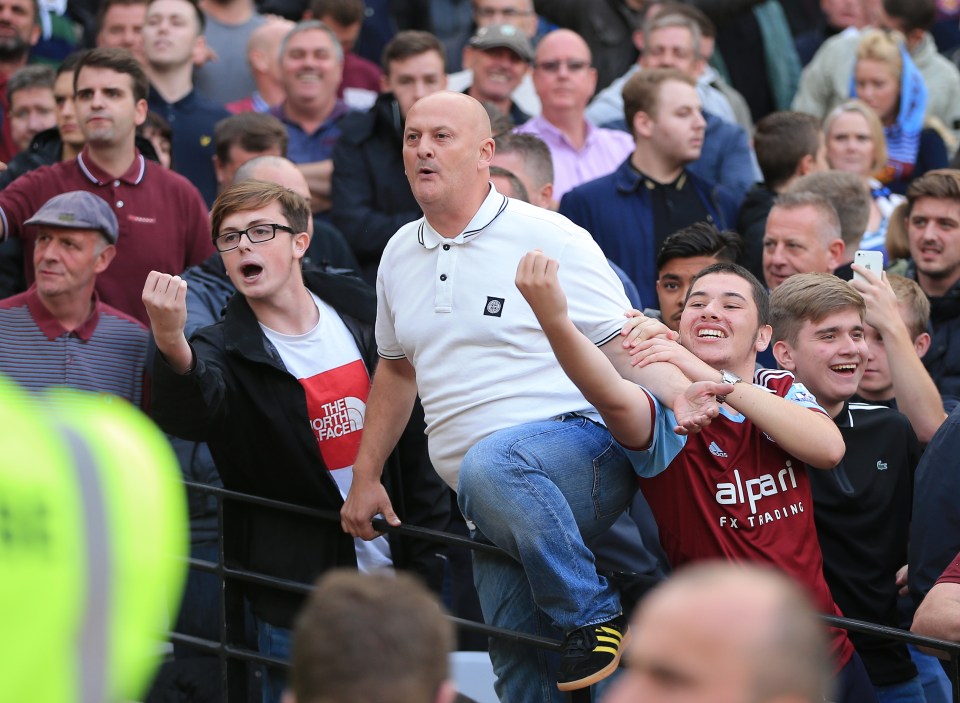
column 330, row 368
column 452, row 309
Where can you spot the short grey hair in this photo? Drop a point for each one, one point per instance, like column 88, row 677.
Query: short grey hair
column 306, row 26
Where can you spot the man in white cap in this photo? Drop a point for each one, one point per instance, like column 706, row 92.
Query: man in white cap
column 58, row 333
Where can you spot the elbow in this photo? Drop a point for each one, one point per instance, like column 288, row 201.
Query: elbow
column 830, row 453
column 926, row 430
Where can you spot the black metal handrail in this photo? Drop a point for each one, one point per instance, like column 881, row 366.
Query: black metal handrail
column 232, row 657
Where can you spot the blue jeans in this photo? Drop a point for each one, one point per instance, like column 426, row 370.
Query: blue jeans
column 936, row 685
column 909, row 691
column 536, row 491
column 275, row 642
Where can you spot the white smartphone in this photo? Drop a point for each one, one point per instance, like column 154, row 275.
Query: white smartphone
column 870, row 260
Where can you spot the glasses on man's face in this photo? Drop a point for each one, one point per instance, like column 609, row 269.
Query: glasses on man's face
column 508, row 14
column 228, row 241
column 573, row 65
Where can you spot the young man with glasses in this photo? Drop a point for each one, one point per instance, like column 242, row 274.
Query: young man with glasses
column 565, row 80
column 278, row 390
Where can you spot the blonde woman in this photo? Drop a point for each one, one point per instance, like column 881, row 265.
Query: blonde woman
column 887, row 80
column 855, row 144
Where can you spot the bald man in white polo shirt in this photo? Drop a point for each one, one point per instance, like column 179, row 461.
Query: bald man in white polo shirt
column 534, row 469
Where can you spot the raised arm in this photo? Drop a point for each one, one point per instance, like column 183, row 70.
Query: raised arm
column 392, row 395
column 165, row 298
column 917, row 395
column 623, row 405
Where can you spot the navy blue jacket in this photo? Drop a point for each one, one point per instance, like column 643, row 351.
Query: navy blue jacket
column 616, row 210
column 192, row 119
column 725, row 158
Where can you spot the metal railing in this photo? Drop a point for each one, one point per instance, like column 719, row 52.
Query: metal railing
column 233, row 658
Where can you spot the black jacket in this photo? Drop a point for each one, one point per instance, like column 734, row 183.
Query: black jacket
column 241, row 400
column 752, row 223
column 370, row 193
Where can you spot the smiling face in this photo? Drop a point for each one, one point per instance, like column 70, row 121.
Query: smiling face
column 496, row 72
column 879, row 88
column 264, row 270
column 720, row 323
column 850, row 144
column 673, row 283
column 66, row 261
column 105, row 106
column 310, row 70
column 828, row 356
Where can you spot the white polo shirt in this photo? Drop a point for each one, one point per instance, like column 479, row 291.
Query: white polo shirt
column 452, row 309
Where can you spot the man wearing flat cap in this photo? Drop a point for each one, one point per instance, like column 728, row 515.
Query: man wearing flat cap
column 58, row 333
column 499, row 56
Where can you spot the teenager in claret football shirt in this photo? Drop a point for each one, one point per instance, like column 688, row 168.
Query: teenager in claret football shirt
column 737, row 490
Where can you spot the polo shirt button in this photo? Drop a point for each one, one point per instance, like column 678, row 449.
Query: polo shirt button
column 116, row 184
column 119, row 203
column 443, row 276
column 446, row 247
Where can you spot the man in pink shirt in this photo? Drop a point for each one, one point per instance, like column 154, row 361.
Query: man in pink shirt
column 565, row 80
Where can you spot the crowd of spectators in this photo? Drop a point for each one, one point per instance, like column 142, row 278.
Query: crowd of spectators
column 170, row 167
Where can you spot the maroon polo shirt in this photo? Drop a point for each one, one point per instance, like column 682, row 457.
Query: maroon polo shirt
column 163, row 221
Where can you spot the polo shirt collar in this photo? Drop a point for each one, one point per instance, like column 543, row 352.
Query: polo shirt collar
column 490, row 209
column 51, row 327
column 845, row 417
column 98, row 176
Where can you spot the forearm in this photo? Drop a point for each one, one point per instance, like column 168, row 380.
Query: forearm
column 621, row 403
column 790, row 425
column 318, row 175
column 666, row 381
column 177, row 352
column 939, row 614
column 392, row 395
column 917, row 396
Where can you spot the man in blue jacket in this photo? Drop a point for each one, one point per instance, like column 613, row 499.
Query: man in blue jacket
column 652, row 195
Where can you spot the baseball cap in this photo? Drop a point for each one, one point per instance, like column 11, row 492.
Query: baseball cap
column 78, row 209
column 495, row 36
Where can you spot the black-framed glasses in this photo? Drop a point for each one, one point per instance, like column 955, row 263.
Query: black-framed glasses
column 573, row 65
column 228, row 241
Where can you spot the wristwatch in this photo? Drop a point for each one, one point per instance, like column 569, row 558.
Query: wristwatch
column 728, row 378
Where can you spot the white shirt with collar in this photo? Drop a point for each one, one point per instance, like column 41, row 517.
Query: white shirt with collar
column 452, row 309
